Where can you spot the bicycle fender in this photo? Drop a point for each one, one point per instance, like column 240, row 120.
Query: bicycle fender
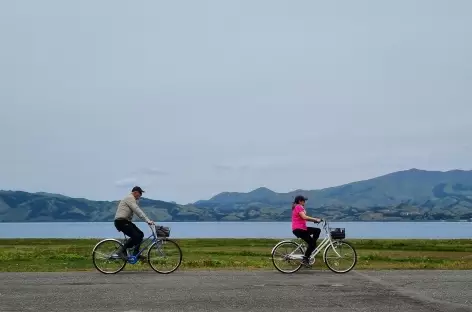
column 281, row 242
column 106, row 240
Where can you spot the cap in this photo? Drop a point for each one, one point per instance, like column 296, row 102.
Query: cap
column 137, row 189
column 299, row 198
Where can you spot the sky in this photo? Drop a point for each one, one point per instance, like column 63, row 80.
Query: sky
column 192, row 98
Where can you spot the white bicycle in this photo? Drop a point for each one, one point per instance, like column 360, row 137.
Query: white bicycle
column 333, row 245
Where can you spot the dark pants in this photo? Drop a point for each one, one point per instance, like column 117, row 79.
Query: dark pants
column 135, row 234
column 306, row 235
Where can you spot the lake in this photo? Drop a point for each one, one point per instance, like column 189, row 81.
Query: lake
column 238, row 229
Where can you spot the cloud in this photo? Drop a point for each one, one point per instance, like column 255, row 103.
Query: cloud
column 232, row 168
column 224, row 168
column 141, row 177
column 257, row 163
column 153, row 171
column 126, row 182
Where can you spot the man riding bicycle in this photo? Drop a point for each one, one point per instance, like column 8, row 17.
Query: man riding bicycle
column 124, row 215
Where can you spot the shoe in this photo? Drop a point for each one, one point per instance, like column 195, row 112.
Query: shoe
column 305, row 263
column 142, row 258
column 121, row 254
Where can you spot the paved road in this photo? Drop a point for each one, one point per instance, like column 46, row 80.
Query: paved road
column 213, row 291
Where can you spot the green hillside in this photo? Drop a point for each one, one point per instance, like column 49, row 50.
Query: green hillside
column 400, row 196
column 16, row 206
column 390, row 189
column 405, row 195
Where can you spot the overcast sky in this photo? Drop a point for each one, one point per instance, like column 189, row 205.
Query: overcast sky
column 192, row 98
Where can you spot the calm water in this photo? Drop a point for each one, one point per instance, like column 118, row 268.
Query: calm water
column 238, row 229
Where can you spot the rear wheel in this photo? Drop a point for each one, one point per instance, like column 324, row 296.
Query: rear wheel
column 105, row 257
column 164, row 256
column 340, row 259
column 287, row 257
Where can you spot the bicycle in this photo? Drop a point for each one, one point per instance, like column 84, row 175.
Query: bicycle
column 333, row 240
column 156, row 241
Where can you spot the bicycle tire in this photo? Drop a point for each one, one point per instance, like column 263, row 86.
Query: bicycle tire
column 94, row 253
column 149, row 256
column 331, row 247
column 296, row 246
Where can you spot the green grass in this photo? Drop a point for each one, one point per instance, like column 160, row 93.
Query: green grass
column 22, row 255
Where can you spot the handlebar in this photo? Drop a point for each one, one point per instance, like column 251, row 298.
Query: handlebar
column 153, row 229
column 324, row 222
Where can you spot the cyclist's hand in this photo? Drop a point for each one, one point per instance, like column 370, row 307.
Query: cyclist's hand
column 317, row 220
column 150, row 222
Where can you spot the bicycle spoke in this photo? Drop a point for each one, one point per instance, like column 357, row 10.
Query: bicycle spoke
column 105, row 258
column 341, row 257
column 286, row 257
column 165, row 256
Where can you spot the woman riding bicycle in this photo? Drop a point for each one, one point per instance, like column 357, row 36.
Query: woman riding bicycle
column 299, row 228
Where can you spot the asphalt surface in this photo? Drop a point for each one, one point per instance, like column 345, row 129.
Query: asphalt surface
column 307, row 290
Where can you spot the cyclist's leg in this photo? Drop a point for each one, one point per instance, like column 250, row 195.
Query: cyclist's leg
column 315, row 232
column 305, row 235
column 129, row 229
column 139, row 235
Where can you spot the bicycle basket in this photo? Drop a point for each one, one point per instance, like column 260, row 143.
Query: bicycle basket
column 337, row 233
column 162, row 231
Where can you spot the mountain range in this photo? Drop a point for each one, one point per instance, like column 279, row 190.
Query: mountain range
column 409, row 195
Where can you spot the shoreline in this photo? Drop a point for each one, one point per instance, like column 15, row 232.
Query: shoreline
column 246, row 221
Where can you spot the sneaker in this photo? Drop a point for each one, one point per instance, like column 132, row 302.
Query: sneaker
column 121, row 254
column 305, row 263
column 142, row 258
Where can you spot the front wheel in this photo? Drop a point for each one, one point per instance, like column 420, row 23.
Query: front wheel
column 342, row 253
column 164, row 256
column 287, row 256
column 105, row 258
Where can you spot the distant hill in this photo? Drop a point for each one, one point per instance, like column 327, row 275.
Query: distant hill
column 400, row 196
column 405, row 195
column 16, row 206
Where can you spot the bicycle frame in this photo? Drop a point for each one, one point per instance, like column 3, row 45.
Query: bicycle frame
column 327, row 241
column 150, row 240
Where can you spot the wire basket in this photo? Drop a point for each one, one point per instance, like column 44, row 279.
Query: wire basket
column 162, row 231
column 337, row 233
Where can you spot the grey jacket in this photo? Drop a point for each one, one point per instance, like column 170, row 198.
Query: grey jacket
column 128, row 207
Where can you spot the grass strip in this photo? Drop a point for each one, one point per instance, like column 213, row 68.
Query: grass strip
column 61, row 255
